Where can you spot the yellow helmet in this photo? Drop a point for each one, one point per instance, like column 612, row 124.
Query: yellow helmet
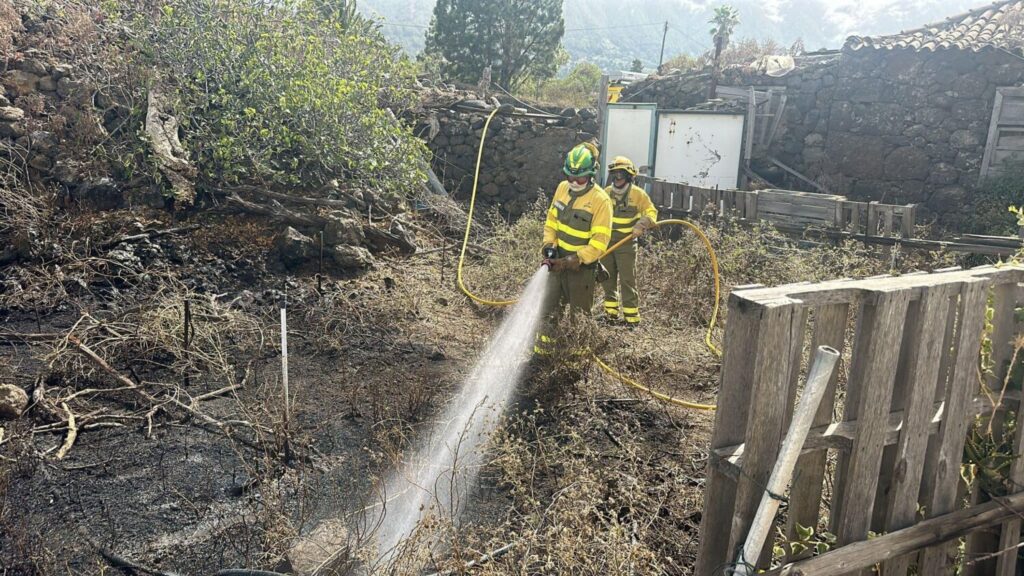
column 624, row 164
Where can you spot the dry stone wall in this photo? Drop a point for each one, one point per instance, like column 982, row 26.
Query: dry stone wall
column 522, row 156
column 895, row 126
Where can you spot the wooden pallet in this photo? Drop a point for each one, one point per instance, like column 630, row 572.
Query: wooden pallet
column 788, row 209
column 910, row 397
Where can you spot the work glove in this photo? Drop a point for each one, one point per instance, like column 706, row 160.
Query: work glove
column 569, row 264
column 641, row 227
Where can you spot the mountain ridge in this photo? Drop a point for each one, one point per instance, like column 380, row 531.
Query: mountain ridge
column 593, row 34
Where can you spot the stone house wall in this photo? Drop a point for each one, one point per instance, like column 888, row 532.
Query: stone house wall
column 522, row 156
column 896, row 126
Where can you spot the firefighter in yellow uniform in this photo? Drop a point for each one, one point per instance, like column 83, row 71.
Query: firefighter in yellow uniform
column 634, row 214
column 576, row 233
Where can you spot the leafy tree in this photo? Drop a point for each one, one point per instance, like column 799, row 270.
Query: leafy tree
column 725, row 20
column 286, row 94
column 637, row 66
column 578, row 88
column 518, row 39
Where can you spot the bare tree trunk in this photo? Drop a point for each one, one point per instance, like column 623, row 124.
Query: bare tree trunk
column 716, row 67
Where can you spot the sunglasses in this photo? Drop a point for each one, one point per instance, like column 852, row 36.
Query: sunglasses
column 578, row 179
column 618, row 175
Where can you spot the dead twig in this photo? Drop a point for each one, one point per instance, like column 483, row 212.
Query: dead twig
column 69, row 440
column 16, row 338
column 148, row 234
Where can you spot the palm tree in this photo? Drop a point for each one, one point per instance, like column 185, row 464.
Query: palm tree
column 726, row 18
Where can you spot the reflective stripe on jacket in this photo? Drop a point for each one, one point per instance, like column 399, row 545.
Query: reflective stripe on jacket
column 633, row 205
column 579, row 223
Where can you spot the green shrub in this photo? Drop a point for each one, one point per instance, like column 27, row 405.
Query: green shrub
column 986, row 213
column 292, row 93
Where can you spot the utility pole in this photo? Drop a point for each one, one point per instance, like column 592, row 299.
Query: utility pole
column 661, row 56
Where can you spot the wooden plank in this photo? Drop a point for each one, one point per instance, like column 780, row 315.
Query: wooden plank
column 780, row 111
column 872, row 229
column 1004, row 301
column 865, row 554
column 658, row 193
column 907, row 221
column 805, row 198
column 953, row 429
column 846, row 291
column 741, row 343
column 993, row 132
column 931, row 461
column 805, row 493
column 923, row 359
column 887, row 218
column 751, row 120
column 861, row 341
column 768, row 397
column 763, row 136
column 855, row 218
column 750, row 212
column 872, row 374
column 796, row 208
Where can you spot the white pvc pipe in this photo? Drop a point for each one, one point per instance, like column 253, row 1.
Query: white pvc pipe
column 284, row 363
column 822, row 366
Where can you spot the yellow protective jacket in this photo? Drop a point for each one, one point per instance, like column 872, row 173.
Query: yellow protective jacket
column 579, row 223
column 628, row 210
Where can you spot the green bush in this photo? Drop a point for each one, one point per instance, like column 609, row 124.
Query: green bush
column 291, row 93
column 987, row 213
column 578, row 88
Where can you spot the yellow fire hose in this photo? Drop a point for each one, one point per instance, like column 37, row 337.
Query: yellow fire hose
column 611, row 371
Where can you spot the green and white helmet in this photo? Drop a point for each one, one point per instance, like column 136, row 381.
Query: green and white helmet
column 580, row 161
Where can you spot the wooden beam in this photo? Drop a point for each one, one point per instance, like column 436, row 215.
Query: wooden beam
column 768, row 394
column 953, row 430
column 840, row 435
column 736, row 379
column 800, row 176
column 922, row 371
column 867, row 553
column 805, row 494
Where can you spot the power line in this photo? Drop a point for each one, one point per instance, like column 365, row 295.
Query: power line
column 403, row 25
column 615, row 27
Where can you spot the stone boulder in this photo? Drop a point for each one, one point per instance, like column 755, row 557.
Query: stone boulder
column 11, row 114
column 907, row 163
column 347, row 258
column 19, row 82
column 342, row 228
column 13, row 401
column 293, row 250
column 33, row 66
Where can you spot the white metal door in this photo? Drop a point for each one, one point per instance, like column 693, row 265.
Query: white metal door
column 699, row 148
column 628, row 131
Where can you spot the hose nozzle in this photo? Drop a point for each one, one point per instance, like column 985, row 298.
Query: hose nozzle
column 549, row 254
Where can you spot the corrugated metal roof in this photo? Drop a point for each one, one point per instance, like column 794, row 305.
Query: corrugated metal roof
column 999, row 25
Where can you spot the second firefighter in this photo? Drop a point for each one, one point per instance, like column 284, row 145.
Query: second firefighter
column 634, row 214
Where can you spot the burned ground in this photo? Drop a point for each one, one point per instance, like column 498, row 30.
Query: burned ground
column 585, row 476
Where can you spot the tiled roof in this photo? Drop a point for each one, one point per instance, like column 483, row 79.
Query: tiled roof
column 999, row 25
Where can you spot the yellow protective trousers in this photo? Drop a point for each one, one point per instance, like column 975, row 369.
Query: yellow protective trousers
column 621, row 266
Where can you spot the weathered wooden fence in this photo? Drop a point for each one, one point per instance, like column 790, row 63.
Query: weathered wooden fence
column 911, row 395
column 788, row 209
